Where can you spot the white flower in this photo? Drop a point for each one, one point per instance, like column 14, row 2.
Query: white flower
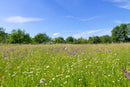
column 45, row 83
column 65, row 82
column 42, row 80
column 47, row 66
column 113, row 81
column 109, row 75
column 67, row 76
column 53, row 78
column 80, row 79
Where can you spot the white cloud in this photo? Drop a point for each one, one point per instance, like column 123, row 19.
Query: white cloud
column 70, row 16
column 121, row 3
column 88, row 19
column 126, row 6
column 117, row 0
column 98, row 32
column 120, row 22
column 83, row 19
column 55, row 34
column 19, row 19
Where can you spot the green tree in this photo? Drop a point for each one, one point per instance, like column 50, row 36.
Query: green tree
column 69, row 40
column 3, row 36
column 123, row 32
column 58, row 40
column 94, row 39
column 97, row 39
column 82, row 41
column 120, row 33
column 41, row 38
column 75, row 41
column 106, row 39
column 128, row 38
column 19, row 36
column 27, row 38
column 91, row 40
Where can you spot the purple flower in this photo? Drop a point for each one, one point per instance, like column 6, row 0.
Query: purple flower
column 126, row 72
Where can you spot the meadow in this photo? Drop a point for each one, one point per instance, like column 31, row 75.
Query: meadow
column 64, row 65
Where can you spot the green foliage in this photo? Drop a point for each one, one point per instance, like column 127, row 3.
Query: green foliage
column 19, row 36
column 82, row 41
column 41, row 38
column 69, row 40
column 94, row 40
column 75, row 41
column 106, row 39
column 3, row 36
column 120, row 33
column 91, row 40
column 58, row 40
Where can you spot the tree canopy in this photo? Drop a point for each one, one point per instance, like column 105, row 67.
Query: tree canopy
column 19, row 36
column 3, row 35
column 58, row 40
column 41, row 38
column 120, row 33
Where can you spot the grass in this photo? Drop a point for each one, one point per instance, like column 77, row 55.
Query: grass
column 64, row 65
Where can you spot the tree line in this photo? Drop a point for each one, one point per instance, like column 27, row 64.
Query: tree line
column 119, row 34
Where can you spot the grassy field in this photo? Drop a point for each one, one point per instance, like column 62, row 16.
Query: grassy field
column 64, row 65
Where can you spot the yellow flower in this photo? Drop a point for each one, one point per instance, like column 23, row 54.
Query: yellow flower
column 90, row 62
column 67, row 76
column 91, row 83
column 124, row 74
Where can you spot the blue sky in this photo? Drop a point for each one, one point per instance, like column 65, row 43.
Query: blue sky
column 77, row 18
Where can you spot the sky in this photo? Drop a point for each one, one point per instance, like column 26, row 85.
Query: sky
column 63, row 18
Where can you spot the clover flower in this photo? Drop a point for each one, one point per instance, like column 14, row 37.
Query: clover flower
column 42, row 80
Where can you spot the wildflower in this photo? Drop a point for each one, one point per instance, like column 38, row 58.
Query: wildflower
column 42, row 80
column 109, row 75
column 47, row 66
column 45, row 83
column 90, row 62
column 118, row 59
column 105, row 76
column 67, row 76
column 126, row 73
column 65, row 82
column 91, row 83
column 53, row 78
column 80, row 79
column 113, row 81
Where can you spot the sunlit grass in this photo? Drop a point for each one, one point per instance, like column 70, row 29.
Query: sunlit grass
column 64, row 65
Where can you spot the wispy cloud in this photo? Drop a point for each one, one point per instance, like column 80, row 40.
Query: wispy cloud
column 88, row 19
column 121, row 3
column 55, row 34
column 19, row 19
column 120, row 22
column 98, row 32
column 70, row 16
column 83, row 19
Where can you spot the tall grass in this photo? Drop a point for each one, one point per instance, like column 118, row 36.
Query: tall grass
column 64, row 65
